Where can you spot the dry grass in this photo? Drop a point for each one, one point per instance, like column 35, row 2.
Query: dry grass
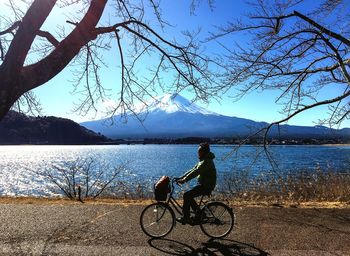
column 294, row 189
column 127, row 202
column 66, row 201
column 319, row 189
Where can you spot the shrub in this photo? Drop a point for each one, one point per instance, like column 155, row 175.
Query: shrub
column 83, row 178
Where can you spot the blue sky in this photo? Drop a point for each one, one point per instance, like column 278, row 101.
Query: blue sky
column 57, row 98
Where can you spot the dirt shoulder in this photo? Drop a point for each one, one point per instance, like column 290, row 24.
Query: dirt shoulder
column 110, row 201
column 64, row 201
column 63, row 227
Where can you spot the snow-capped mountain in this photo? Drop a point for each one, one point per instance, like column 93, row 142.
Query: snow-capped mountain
column 172, row 115
column 171, row 103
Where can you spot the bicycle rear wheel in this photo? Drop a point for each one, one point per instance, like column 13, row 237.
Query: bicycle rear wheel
column 157, row 220
column 217, row 219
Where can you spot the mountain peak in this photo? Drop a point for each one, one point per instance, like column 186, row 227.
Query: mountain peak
column 174, row 102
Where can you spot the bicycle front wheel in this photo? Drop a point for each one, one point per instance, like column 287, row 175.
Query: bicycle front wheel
column 217, row 219
column 157, row 220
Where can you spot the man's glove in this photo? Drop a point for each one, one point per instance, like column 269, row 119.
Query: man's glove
column 181, row 181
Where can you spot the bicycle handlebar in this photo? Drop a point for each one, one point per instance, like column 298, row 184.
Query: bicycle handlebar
column 174, row 180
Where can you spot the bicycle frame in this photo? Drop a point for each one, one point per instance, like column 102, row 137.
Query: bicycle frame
column 173, row 202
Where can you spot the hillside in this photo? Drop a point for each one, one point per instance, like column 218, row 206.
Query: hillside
column 17, row 128
column 173, row 116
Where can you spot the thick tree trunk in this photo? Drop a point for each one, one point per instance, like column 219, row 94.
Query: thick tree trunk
column 15, row 80
column 42, row 71
column 8, row 97
column 11, row 87
column 26, row 33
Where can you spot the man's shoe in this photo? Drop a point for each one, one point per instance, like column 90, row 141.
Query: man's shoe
column 195, row 220
column 183, row 220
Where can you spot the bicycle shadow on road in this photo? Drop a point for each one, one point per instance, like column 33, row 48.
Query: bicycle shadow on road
column 213, row 247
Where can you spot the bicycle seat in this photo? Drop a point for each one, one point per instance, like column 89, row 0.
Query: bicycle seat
column 208, row 194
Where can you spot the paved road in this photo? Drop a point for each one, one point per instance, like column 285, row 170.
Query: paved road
column 87, row 229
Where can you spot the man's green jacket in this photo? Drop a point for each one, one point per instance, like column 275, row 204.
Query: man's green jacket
column 205, row 170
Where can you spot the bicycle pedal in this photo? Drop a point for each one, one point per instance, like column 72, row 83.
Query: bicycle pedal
column 182, row 221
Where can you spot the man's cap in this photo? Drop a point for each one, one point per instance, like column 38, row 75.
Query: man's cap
column 204, row 146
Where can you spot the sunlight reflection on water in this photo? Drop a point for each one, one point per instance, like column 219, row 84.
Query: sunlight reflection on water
column 20, row 165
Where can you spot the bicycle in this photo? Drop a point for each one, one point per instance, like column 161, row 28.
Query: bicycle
column 216, row 219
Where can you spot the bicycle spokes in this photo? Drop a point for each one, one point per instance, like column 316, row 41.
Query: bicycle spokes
column 217, row 220
column 157, row 220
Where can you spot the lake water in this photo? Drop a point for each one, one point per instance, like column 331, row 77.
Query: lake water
column 20, row 166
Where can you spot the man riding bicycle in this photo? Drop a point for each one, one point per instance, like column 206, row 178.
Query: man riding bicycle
column 206, row 172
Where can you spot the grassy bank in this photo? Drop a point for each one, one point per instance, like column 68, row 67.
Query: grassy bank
column 294, row 188
column 125, row 202
column 297, row 189
column 66, row 201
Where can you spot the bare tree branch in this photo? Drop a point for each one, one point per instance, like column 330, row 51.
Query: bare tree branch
column 83, row 48
column 27, row 31
column 323, row 29
column 292, row 53
column 49, row 37
column 67, row 49
column 11, row 28
column 325, row 102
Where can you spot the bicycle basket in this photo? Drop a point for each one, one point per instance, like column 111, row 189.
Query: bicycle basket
column 162, row 188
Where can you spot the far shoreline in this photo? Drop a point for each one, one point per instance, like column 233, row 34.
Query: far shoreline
column 338, row 145
column 214, row 144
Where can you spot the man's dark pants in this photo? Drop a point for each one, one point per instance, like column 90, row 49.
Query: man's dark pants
column 189, row 201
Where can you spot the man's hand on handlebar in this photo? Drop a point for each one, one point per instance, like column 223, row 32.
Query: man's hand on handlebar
column 180, row 181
